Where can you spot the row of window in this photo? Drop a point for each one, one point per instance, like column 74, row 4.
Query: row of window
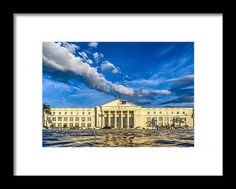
column 72, row 125
column 161, row 118
column 155, row 118
column 65, row 113
column 166, row 112
column 71, row 119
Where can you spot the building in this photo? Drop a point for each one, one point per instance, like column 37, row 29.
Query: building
column 120, row 114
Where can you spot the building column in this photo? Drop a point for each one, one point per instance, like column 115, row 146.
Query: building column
column 108, row 119
column 102, row 119
column 127, row 119
column 134, row 119
column 121, row 113
column 115, row 120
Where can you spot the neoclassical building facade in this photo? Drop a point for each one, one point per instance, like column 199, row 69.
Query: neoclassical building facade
column 119, row 114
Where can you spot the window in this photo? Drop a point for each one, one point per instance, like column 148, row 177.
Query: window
column 148, row 112
column 53, row 119
column 76, row 118
column 160, row 112
column 172, row 112
column 160, row 119
column 82, row 124
column 71, row 118
column 83, row 113
column 154, row 112
column 76, row 124
column 89, row 125
column 65, row 113
column 89, row 119
column 177, row 112
column 71, row 113
column 59, row 118
column 82, row 118
column 71, row 125
column 148, row 118
column 59, row 124
column 89, row 113
column 183, row 112
column 53, row 113
column 65, row 119
column 59, row 113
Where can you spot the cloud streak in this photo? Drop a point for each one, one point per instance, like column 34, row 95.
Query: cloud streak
column 182, row 82
column 187, row 99
column 59, row 60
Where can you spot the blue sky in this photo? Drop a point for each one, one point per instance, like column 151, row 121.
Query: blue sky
column 88, row 74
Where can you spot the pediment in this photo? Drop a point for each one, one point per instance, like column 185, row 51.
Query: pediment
column 118, row 102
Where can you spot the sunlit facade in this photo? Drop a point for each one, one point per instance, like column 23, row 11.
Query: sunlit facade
column 120, row 114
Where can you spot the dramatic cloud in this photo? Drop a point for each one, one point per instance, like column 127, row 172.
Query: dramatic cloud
column 146, row 93
column 93, row 44
column 182, row 86
column 60, row 58
column 151, row 93
column 60, row 62
column 71, row 47
column 180, row 100
column 123, row 90
column 182, row 82
column 106, row 65
column 184, row 92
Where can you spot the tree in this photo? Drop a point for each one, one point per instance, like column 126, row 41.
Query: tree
column 152, row 123
column 179, row 120
column 64, row 126
column 46, row 111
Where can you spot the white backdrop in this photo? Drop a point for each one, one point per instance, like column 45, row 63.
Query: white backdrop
column 205, row 158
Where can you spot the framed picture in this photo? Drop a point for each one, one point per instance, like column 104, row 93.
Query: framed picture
column 115, row 98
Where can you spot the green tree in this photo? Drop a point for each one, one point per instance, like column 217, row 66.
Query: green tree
column 179, row 120
column 46, row 112
column 152, row 123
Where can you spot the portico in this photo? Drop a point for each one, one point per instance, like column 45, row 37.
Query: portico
column 116, row 114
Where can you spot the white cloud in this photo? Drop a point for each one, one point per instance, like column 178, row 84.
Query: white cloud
column 93, row 44
column 89, row 61
column 84, row 55
column 123, row 90
column 160, row 92
column 106, row 65
column 59, row 58
column 150, row 92
column 71, row 47
column 85, row 58
column 145, row 81
column 97, row 56
column 182, row 79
